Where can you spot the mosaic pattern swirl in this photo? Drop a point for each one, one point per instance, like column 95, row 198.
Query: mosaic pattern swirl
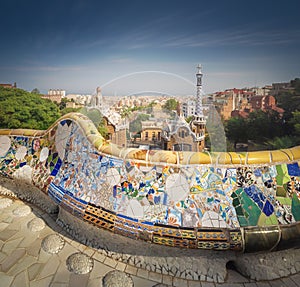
column 183, row 199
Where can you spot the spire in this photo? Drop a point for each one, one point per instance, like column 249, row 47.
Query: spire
column 198, row 123
column 199, row 108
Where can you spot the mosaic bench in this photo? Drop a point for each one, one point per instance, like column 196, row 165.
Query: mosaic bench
column 222, row 201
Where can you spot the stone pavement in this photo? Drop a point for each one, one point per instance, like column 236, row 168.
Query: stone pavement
column 36, row 252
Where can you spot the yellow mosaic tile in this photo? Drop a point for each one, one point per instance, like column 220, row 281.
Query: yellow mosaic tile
column 258, row 157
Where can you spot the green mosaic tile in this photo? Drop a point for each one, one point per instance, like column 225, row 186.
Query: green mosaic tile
column 239, row 211
column 248, row 212
column 252, row 209
column 282, row 174
column 280, row 191
column 265, row 220
column 242, row 221
column 284, row 200
column 235, row 202
column 296, row 207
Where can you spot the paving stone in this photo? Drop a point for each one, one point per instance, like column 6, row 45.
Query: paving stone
column 251, row 284
column 11, row 245
column 8, row 219
column 42, row 282
column 99, row 256
column 89, row 251
column 34, row 248
column 194, row 283
column 167, row 279
column 78, row 280
column 263, row 284
column 99, row 270
column 11, row 260
column 5, row 279
column 141, row 282
column 66, row 252
column 143, row 273
column 207, row 284
column 121, row 266
column 21, row 280
column 44, row 256
column 229, row 285
column 178, row 282
column 28, row 239
column 62, row 274
column 3, row 225
column 7, row 234
column 34, row 270
column 95, row 282
column 22, row 265
column 235, row 277
column 110, row 262
column 50, row 267
column 289, row 282
column 59, row 285
column 278, row 283
column 155, row 277
column 2, row 256
column 296, row 279
column 130, row 269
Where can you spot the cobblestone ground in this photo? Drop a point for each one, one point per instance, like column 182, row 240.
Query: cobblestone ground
column 34, row 254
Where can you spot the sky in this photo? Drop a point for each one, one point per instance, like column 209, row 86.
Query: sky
column 132, row 46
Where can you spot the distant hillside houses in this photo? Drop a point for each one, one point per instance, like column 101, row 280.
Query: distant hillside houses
column 55, row 95
column 240, row 102
column 10, row 86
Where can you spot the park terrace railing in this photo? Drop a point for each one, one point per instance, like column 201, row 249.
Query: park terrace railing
column 240, row 201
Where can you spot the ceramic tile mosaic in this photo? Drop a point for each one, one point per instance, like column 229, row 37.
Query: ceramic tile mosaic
column 192, row 205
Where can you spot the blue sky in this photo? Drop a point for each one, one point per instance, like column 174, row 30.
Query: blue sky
column 79, row 45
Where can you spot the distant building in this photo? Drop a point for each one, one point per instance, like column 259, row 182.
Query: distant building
column 230, row 100
column 55, row 95
column 116, row 132
column 9, row 86
column 151, row 134
column 280, row 87
column 189, row 108
column 178, row 135
column 264, row 103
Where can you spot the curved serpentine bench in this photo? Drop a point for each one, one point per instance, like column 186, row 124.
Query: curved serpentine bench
column 239, row 201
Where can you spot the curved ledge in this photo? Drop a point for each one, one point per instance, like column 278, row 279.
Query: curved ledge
column 239, row 201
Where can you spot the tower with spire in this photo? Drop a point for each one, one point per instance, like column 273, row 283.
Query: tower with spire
column 198, row 122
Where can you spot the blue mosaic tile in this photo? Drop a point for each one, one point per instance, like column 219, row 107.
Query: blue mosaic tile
column 293, row 169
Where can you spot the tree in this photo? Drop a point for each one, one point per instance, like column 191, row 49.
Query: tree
column 236, row 130
column 136, row 125
column 281, row 142
column 69, row 110
column 102, row 129
column 296, row 85
column 35, row 91
column 63, row 103
column 21, row 109
column 93, row 114
column 170, row 105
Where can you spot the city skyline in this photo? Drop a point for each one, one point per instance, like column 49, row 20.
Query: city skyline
column 79, row 45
